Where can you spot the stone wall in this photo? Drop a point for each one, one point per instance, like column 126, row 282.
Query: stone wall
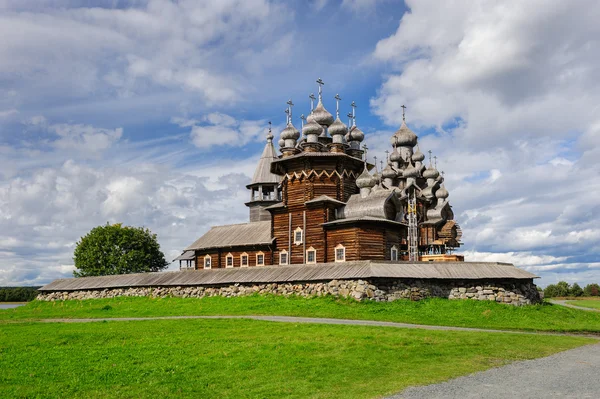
column 516, row 292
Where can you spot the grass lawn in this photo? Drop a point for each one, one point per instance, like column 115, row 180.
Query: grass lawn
column 245, row 358
column 483, row 314
column 586, row 303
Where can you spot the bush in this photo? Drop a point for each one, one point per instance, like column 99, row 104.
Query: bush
column 114, row 249
column 591, row 290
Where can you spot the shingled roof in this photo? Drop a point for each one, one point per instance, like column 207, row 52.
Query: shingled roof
column 320, row 272
column 234, row 235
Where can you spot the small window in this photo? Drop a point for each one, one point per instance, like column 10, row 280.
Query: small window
column 283, row 257
column 244, row 260
column 298, row 236
column 260, row 259
column 340, row 253
column 311, row 255
column 207, row 262
column 394, row 253
column 229, row 260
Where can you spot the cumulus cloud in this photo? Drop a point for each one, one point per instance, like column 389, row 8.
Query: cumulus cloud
column 147, row 46
column 220, row 129
column 508, row 90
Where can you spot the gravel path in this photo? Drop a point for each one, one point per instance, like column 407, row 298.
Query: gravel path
column 313, row 320
column 570, row 374
column 568, row 305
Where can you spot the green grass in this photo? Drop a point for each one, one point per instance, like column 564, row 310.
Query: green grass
column 243, row 358
column 482, row 314
column 586, row 303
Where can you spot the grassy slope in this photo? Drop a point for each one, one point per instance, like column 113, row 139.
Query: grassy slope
column 482, row 314
column 586, row 303
column 245, row 358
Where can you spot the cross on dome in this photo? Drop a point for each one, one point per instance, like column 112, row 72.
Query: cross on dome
column 403, row 112
column 320, row 83
column 337, row 105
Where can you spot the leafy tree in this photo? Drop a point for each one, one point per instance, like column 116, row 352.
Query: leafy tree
column 117, row 249
column 575, row 290
column 563, row 288
column 551, row 291
column 591, row 290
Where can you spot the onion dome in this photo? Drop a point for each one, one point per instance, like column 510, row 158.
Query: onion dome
column 418, row 156
column 310, row 118
column 311, row 128
column 395, row 157
column 348, row 137
column 321, row 115
column 365, row 180
column 290, row 132
column 337, row 128
column 439, row 179
column 281, row 143
column 410, row 171
column 356, row 134
column 404, row 137
column 442, row 193
column 431, row 173
column 388, row 172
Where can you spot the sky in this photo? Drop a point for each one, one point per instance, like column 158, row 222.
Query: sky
column 154, row 113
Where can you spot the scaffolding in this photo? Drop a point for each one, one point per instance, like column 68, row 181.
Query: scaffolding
column 413, row 234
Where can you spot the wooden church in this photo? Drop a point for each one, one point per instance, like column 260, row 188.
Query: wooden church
column 320, row 201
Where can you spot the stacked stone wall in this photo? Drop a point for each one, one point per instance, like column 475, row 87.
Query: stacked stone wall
column 517, row 292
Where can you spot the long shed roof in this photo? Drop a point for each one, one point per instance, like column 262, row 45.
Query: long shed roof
column 297, row 273
column 233, row 235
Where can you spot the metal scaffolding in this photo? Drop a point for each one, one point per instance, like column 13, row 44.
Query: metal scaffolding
column 413, row 233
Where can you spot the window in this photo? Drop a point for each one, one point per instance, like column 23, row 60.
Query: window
column 311, row 255
column 207, row 262
column 340, row 253
column 283, row 257
column 260, row 259
column 298, row 236
column 229, row 260
column 244, row 260
column 394, row 253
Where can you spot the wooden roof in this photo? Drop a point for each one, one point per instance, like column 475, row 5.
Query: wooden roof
column 297, row 273
column 186, row 255
column 235, row 235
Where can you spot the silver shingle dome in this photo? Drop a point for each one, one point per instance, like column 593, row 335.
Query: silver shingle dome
column 337, row 128
column 431, row 173
column 356, row 134
column 411, row 171
column 404, row 137
column 290, row 133
column 388, row 172
column 418, row 156
column 365, row 180
column 442, row 193
column 395, row 157
column 321, row 115
column 312, row 128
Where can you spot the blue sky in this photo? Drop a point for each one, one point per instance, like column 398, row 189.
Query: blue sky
column 154, row 113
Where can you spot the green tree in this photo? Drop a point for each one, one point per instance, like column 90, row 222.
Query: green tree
column 591, row 290
column 563, row 288
column 117, row 249
column 551, row 291
column 575, row 290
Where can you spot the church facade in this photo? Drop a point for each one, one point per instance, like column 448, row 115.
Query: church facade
column 319, row 201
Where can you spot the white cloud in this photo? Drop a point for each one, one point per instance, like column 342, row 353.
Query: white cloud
column 511, row 91
column 220, row 129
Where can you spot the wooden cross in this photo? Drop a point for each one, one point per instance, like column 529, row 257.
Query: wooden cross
column 337, row 105
column 403, row 115
column 320, row 83
column 312, row 99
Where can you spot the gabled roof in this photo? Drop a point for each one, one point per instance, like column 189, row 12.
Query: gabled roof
column 235, row 235
column 362, row 219
column 262, row 173
column 324, row 198
column 186, row 255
